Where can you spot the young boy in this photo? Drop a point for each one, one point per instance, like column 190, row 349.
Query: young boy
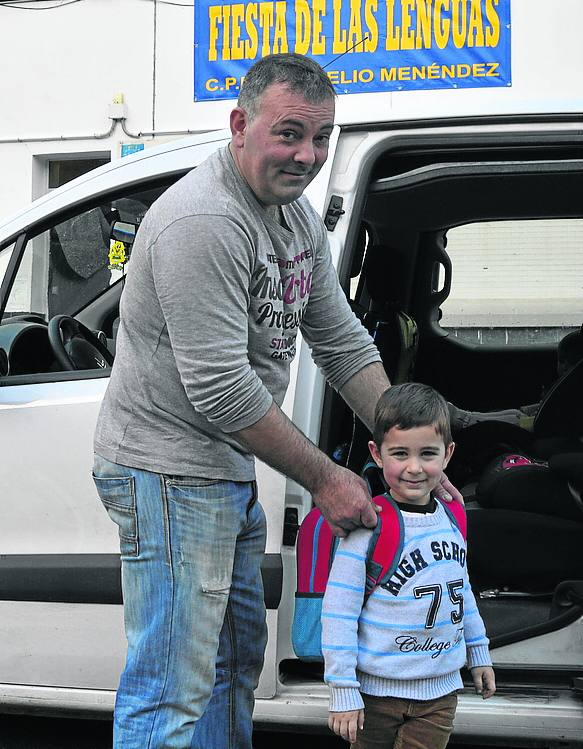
column 392, row 663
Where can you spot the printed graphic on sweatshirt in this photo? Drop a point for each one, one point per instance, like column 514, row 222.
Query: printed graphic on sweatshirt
column 415, row 561
column 440, row 599
column 282, row 290
column 434, row 647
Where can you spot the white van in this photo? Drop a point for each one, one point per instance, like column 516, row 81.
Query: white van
column 421, row 216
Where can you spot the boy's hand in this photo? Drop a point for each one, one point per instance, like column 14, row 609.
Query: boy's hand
column 484, row 681
column 346, row 724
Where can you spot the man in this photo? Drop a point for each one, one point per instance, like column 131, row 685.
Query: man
column 227, row 266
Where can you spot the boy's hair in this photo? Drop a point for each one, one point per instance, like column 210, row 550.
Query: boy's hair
column 299, row 73
column 410, row 405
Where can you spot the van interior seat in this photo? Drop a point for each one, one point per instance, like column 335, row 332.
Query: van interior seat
column 561, row 410
column 393, row 330
column 552, row 487
column 524, row 551
column 552, row 482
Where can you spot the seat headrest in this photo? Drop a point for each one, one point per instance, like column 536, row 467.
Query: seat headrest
column 561, row 411
column 383, row 268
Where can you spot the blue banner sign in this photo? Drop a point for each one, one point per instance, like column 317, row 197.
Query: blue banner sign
column 364, row 45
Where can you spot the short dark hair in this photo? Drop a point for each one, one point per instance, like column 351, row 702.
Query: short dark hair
column 411, row 405
column 299, row 73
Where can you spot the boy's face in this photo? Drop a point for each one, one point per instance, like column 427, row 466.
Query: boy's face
column 412, row 461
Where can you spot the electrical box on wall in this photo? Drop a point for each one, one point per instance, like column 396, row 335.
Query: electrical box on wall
column 117, row 108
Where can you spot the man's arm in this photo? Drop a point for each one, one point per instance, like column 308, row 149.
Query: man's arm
column 340, row 494
column 363, row 390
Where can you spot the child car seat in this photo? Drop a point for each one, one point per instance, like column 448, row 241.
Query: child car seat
column 518, row 482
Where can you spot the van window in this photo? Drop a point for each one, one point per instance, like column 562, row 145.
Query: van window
column 69, row 264
column 515, row 282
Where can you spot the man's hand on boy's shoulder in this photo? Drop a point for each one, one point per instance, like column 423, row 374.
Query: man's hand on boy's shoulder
column 484, row 680
column 448, row 492
column 345, row 502
column 346, row 724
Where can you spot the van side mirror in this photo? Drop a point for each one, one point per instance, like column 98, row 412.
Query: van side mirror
column 123, row 231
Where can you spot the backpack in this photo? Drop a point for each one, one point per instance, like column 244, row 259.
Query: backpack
column 315, row 551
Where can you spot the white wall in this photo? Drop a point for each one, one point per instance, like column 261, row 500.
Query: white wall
column 60, row 69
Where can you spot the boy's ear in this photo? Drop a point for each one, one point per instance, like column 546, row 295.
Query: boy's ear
column 375, row 453
column 448, row 453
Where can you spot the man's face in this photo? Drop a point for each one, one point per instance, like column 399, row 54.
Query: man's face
column 283, row 148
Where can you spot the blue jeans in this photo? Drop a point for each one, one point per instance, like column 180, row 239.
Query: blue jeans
column 191, row 552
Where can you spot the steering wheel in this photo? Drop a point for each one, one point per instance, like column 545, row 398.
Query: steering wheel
column 75, row 346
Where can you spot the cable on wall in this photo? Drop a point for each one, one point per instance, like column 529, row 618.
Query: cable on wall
column 42, row 5
column 47, row 138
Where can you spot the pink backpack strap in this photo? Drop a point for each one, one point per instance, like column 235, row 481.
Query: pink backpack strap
column 457, row 514
column 315, row 550
column 385, row 545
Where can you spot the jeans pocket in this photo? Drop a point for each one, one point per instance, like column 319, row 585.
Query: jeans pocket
column 190, row 482
column 205, row 519
column 119, row 499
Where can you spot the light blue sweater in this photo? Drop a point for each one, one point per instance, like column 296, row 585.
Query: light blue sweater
column 415, row 632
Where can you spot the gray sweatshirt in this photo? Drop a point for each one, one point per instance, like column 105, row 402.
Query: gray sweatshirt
column 215, row 294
